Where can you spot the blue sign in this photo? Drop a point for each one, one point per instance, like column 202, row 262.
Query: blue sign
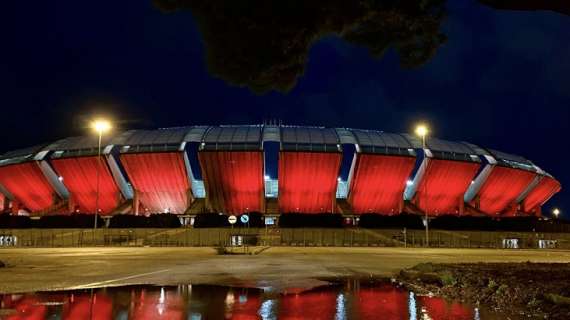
column 244, row 218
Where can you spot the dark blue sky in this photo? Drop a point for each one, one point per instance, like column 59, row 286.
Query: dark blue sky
column 502, row 80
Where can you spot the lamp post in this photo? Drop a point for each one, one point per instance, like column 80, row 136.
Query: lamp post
column 100, row 126
column 422, row 130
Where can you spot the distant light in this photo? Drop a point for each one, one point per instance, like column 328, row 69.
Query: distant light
column 422, row 130
column 267, row 178
column 60, row 178
column 472, row 181
column 409, row 183
column 101, row 125
column 339, row 179
column 556, row 212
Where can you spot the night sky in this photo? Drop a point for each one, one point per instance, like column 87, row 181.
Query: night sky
column 502, row 79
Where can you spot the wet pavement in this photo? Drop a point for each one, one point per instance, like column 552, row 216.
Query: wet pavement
column 49, row 269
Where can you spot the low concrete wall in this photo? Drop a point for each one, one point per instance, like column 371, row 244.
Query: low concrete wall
column 218, row 237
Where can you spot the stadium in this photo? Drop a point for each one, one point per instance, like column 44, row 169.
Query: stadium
column 272, row 171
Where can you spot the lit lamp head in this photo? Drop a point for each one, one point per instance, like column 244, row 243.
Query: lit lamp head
column 556, row 212
column 422, row 130
column 101, row 126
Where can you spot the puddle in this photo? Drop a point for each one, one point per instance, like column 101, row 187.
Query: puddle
column 347, row 300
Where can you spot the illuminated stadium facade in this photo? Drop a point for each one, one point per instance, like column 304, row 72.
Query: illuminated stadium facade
column 224, row 169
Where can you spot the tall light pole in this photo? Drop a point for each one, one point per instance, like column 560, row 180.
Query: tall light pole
column 422, row 130
column 556, row 213
column 100, row 126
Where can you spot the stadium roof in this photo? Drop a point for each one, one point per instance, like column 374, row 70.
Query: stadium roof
column 152, row 163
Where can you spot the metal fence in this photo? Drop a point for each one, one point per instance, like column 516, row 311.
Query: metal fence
column 309, row 237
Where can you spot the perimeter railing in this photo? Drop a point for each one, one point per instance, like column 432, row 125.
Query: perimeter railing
column 299, row 237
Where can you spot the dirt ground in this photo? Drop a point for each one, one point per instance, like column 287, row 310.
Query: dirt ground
column 529, row 290
column 280, row 267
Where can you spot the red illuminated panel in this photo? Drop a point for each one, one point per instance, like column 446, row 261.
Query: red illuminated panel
column 307, row 181
column 308, row 305
column 80, row 178
column 28, row 185
column 98, row 307
column 546, row 188
column 438, row 308
column 159, row 179
column 502, row 188
column 385, row 301
column 444, row 184
column 234, row 180
column 378, row 183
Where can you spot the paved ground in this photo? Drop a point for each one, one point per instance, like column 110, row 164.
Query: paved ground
column 281, row 267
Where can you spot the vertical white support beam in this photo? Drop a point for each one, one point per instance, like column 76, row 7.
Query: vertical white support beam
column 51, row 175
column 120, row 180
column 540, row 175
column 412, row 188
column 193, row 182
column 480, row 180
column 6, row 193
column 351, row 172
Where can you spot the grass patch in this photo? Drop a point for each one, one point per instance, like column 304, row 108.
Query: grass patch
column 558, row 299
column 447, row 279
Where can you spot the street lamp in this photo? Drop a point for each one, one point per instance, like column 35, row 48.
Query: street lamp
column 556, row 212
column 100, row 126
column 422, row 130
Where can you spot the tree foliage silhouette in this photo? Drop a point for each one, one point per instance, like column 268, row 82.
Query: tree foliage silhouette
column 264, row 44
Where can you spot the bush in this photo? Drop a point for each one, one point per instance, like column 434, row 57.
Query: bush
column 316, row 220
column 14, row 222
column 399, row 221
column 152, row 221
column 67, row 221
column 211, row 220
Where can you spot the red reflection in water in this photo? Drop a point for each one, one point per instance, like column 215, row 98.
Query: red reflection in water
column 157, row 305
column 25, row 308
column 439, row 309
column 308, row 305
column 353, row 301
column 244, row 307
column 97, row 307
column 384, row 301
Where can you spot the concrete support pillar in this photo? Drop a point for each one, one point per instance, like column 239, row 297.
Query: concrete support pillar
column 71, row 205
column 538, row 211
column 190, row 200
column 136, row 202
column 5, row 203
column 15, row 207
